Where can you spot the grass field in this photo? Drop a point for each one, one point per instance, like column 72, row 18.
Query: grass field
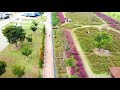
column 69, row 26
column 84, row 18
column 99, row 64
column 13, row 57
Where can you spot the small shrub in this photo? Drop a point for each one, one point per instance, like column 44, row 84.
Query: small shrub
column 70, row 62
column 3, row 66
column 26, row 51
column 72, row 76
column 18, row 70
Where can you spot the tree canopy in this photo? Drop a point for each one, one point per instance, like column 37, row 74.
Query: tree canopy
column 102, row 38
column 14, row 34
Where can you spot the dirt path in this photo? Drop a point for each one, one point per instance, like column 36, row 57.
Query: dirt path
column 48, row 68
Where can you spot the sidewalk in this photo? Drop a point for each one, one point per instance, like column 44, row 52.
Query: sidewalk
column 48, row 68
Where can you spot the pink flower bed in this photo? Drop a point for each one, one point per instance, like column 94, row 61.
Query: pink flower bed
column 73, row 52
column 116, row 26
column 61, row 16
column 108, row 19
column 112, row 22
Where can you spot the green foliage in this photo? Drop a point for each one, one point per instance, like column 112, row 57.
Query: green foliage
column 44, row 29
column 14, row 34
column 40, row 63
column 3, row 65
column 102, row 38
column 72, row 76
column 29, row 38
column 70, row 62
column 26, row 51
column 33, row 28
column 55, row 19
column 35, row 23
column 18, row 70
column 42, row 48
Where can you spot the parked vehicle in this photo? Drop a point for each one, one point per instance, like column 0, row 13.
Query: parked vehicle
column 8, row 13
column 31, row 14
column 3, row 16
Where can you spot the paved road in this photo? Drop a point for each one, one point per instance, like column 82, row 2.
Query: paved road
column 48, row 69
column 3, row 40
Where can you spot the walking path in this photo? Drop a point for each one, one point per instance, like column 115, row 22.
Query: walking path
column 48, row 68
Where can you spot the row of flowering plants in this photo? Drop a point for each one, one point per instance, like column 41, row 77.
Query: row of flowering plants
column 78, row 69
column 112, row 22
column 61, row 16
column 108, row 19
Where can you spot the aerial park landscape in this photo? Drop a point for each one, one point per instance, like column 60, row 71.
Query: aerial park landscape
column 60, row 45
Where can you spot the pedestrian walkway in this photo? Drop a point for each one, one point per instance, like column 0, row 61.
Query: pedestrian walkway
column 48, row 68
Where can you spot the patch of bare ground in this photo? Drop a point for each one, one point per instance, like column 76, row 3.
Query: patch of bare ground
column 33, row 74
column 14, row 47
column 102, row 52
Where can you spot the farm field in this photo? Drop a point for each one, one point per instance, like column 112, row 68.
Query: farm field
column 12, row 56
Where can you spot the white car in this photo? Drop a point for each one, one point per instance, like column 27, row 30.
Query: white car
column 3, row 16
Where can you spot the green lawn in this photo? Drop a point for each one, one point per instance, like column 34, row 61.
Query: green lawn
column 13, row 57
column 69, row 26
column 99, row 64
column 84, row 18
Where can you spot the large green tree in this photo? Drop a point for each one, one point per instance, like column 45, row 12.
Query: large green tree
column 14, row 34
column 101, row 39
column 3, row 66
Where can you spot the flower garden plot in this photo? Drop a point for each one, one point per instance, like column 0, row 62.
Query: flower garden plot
column 59, row 52
column 109, row 20
column 115, row 15
column 83, row 18
column 61, row 16
column 78, row 69
column 99, row 64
